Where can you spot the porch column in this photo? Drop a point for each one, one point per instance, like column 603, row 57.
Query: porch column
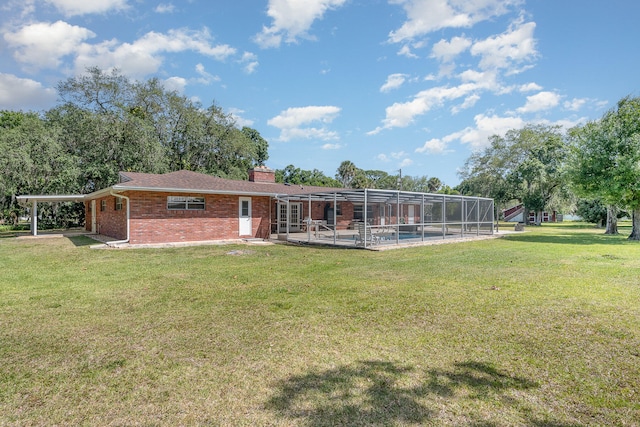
column 34, row 219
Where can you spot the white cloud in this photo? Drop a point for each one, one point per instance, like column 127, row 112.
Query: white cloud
column 144, row 56
column 426, row 16
column 175, row 83
column 530, row 87
column 446, row 51
column 405, row 162
column 394, row 81
column 331, row 146
column 24, row 94
column 292, row 122
column 383, row 157
column 540, row 101
column 43, row 45
column 406, row 51
column 575, row 104
column 469, row 102
column 83, row 7
column 250, row 61
column 402, row 114
column 236, row 114
column 165, row 8
column 292, row 19
column 205, row 77
column 433, row 146
column 514, row 46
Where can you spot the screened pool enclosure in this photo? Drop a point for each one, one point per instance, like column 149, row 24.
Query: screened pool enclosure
column 370, row 218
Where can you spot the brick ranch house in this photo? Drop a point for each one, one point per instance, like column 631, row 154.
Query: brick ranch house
column 185, row 206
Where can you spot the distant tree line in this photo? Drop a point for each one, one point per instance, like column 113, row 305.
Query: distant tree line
column 348, row 175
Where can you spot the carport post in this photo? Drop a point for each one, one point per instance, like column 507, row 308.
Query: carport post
column 34, row 219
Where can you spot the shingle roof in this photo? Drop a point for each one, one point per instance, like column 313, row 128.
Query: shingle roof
column 188, row 181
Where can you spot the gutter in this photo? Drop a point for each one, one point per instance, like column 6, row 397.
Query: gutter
column 117, row 242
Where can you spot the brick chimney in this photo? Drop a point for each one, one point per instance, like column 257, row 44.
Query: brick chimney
column 262, row 174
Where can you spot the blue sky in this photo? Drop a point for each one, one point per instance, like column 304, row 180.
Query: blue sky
column 415, row 85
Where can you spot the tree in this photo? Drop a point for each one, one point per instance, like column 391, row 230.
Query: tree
column 606, row 158
column 526, row 164
column 346, row 172
column 297, row 176
column 33, row 161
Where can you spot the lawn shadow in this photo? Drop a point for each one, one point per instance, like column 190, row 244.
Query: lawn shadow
column 375, row 393
column 569, row 239
column 80, row 240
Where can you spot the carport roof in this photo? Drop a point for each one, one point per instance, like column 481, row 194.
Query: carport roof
column 24, row 200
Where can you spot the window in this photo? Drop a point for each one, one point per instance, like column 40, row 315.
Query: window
column 118, row 206
column 358, row 212
column 185, row 203
column 338, row 209
column 103, row 205
column 244, row 208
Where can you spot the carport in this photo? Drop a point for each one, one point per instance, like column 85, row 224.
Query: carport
column 34, row 200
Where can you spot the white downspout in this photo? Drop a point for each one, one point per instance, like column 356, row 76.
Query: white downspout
column 117, row 242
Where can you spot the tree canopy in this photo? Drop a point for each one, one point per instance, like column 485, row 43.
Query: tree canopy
column 526, row 165
column 605, row 160
column 106, row 123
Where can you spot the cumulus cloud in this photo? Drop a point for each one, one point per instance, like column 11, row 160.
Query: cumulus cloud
column 469, row 102
column 402, row 114
column 165, row 8
column 539, row 102
column 575, row 104
column 250, row 61
column 292, row 20
column 446, row 51
column 426, row 16
column 394, row 81
column 433, row 146
column 176, row 84
column 476, row 136
column 293, row 122
column 84, row 7
column 236, row 114
column 43, row 44
column 24, row 94
column 514, row 46
column 331, row 146
column 530, row 87
column 144, row 56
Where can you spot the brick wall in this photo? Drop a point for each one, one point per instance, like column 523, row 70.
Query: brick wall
column 152, row 222
column 109, row 221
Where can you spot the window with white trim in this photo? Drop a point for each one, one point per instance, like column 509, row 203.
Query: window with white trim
column 103, row 205
column 185, row 203
column 118, row 205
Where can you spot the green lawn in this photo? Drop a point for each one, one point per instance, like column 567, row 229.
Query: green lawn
column 535, row 329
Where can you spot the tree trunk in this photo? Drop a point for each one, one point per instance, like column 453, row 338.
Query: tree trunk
column 612, row 220
column 635, row 231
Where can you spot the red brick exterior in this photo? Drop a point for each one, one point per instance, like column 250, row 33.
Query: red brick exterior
column 262, row 174
column 151, row 221
column 110, row 222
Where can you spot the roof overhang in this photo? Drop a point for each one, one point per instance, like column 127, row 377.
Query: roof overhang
column 25, row 200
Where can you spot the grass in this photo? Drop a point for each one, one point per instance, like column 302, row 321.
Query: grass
column 535, row 329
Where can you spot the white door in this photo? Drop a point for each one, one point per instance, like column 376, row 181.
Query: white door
column 93, row 216
column 246, row 228
column 411, row 213
column 382, row 214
